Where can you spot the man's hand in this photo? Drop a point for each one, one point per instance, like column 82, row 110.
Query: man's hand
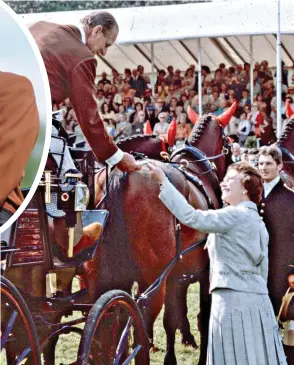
column 128, row 163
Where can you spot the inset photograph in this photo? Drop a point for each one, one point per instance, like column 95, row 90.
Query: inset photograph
column 25, row 107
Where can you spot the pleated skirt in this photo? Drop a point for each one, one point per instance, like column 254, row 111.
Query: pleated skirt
column 243, row 330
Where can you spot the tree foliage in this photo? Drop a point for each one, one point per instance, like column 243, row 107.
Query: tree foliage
column 39, row 6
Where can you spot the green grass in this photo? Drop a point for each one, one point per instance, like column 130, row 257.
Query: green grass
column 67, row 346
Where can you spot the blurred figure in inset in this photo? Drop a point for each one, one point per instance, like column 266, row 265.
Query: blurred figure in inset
column 19, row 128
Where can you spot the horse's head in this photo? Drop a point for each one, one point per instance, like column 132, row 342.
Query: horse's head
column 208, row 132
column 208, row 136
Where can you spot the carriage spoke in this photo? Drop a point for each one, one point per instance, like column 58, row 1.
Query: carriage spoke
column 123, row 341
column 8, row 329
column 115, row 330
column 22, row 356
column 133, row 355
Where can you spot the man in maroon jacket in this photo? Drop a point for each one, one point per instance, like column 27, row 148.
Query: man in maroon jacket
column 68, row 53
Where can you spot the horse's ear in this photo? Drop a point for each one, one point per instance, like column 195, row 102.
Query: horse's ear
column 226, row 116
column 289, row 110
column 192, row 115
column 171, row 133
column 147, row 128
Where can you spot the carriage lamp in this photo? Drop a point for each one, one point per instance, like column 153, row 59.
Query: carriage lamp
column 74, row 197
column 48, row 184
column 82, row 197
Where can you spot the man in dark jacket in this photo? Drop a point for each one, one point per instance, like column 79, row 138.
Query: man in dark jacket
column 277, row 210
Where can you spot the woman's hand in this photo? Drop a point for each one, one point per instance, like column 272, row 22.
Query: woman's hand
column 156, row 172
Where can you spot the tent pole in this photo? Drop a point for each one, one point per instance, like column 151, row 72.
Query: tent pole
column 279, row 76
column 152, row 69
column 199, row 78
column 251, row 73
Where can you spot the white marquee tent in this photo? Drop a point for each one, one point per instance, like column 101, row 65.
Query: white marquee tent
column 224, row 28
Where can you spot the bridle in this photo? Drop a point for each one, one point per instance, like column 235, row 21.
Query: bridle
column 185, row 163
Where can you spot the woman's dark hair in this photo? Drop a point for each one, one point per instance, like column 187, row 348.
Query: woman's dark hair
column 251, row 180
column 110, row 107
column 138, row 103
column 188, row 70
column 103, row 18
column 206, row 69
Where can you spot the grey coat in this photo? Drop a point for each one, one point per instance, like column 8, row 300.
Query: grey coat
column 237, row 243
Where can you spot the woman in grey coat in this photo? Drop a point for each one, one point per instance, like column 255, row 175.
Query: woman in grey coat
column 243, row 329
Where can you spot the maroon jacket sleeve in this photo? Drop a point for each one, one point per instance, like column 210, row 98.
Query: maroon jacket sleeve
column 83, row 99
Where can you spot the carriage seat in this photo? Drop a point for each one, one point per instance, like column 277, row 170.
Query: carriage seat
column 79, row 153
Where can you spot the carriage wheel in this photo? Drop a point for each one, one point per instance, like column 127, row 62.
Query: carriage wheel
column 114, row 333
column 19, row 340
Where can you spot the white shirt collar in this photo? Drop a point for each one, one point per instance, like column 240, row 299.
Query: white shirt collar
column 268, row 187
column 83, row 34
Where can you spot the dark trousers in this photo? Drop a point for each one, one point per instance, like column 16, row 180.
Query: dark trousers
column 289, row 352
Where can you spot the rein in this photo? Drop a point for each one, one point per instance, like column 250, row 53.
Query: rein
column 185, row 163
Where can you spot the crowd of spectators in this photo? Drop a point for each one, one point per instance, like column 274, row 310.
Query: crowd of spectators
column 126, row 101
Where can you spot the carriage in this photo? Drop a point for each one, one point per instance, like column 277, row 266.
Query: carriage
column 37, row 274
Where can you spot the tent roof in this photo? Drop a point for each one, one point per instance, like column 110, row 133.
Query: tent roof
column 224, row 27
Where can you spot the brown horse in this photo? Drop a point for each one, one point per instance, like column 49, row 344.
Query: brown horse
column 140, row 236
column 140, row 240
column 151, row 146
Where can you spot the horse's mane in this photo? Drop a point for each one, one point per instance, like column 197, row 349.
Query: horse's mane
column 116, row 241
column 199, row 130
column 136, row 137
column 288, row 129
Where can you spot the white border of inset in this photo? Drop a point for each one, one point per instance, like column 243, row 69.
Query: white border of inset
column 46, row 147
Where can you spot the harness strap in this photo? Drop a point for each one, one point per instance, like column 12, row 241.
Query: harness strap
column 178, row 240
column 198, row 183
